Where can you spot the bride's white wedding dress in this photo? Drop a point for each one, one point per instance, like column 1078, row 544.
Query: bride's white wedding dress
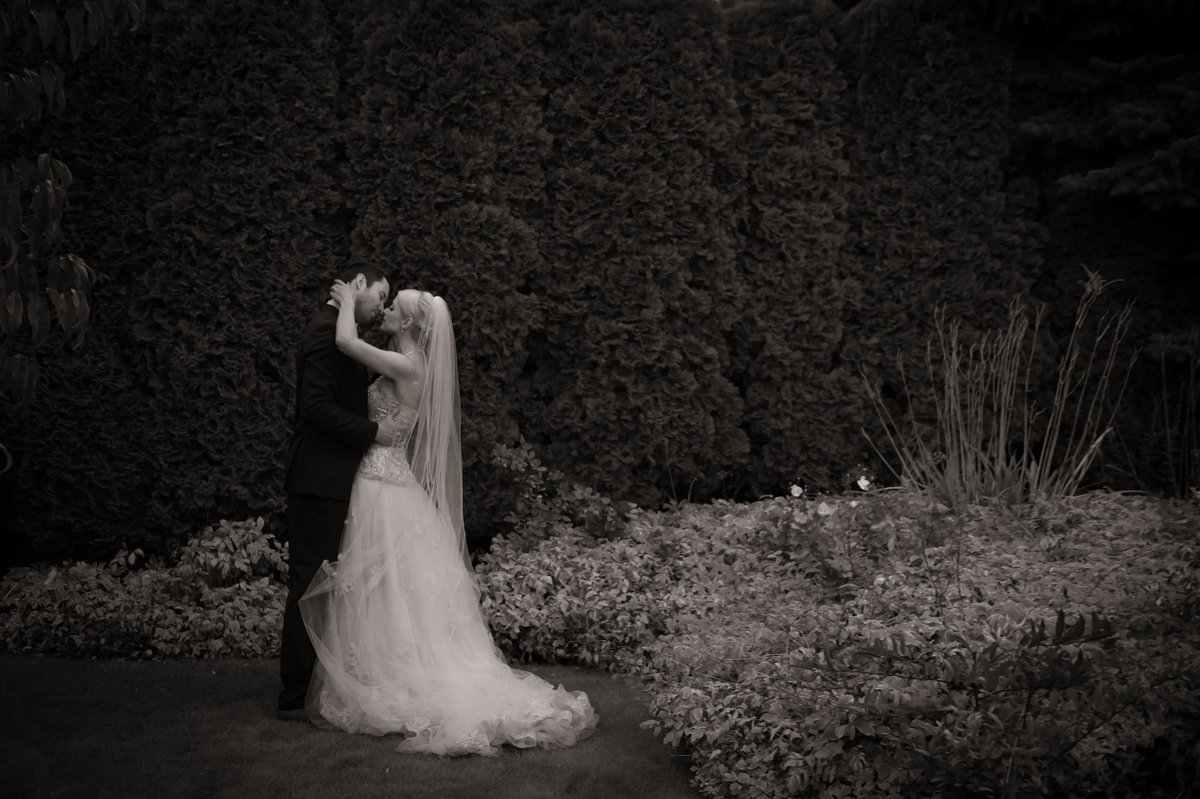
column 402, row 645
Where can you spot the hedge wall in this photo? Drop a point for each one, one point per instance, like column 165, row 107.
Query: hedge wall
column 933, row 224
column 794, row 217
column 632, row 362
column 542, row 171
column 205, row 197
column 671, row 235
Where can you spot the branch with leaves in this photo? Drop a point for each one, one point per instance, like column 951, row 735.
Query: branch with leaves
column 39, row 284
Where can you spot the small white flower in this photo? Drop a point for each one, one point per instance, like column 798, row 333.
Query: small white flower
column 824, row 509
column 797, row 491
column 864, row 483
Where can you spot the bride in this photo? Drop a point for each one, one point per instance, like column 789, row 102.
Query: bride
column 401, row 642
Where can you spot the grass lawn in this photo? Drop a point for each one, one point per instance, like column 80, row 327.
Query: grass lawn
column 206, row 728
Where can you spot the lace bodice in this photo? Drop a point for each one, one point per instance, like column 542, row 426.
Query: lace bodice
column 388, row 464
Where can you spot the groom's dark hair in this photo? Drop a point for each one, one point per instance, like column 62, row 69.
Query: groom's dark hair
column 354, row 269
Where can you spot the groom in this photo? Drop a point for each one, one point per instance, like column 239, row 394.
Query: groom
column 330, row 432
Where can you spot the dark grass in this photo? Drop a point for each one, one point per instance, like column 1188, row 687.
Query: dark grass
column 112, row 728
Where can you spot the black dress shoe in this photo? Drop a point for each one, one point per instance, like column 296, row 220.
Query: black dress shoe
column 292, row 714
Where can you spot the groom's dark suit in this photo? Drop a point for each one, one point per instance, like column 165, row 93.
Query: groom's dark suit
column 330, row 432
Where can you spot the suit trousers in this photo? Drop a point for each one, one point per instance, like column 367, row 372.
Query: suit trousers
column 314, row 535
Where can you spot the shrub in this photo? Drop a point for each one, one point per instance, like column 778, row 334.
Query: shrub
column 936, row 673
column 224, row 597
column 206, row 190
column 573, row 598
column 884, row 645
column 546, row 503
column 233, row 552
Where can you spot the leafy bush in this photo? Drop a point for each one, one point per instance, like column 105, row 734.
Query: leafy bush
column 882, row 645
column 223, row 598
column 872, row 645
column 205, row 189
column 934, row 674
column 571, row 598
column 546, row 503
column 32, row 43
column 233, row 552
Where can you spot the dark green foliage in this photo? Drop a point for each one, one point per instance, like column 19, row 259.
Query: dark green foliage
column 544, row 503
column 881, row 646
column 670, row 235
column 1105, row 113
column 223, row 596
column 557, row 172
column 206, row 191
column 37, row 279
column 447, row 153
column 932, row 225
column 803, row 410
column 633, row 364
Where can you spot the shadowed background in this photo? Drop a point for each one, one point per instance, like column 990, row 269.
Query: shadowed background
column 672, row 234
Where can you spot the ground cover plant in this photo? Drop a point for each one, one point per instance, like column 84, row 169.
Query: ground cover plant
column 876, row 643
column 882, row 645
column 222, row 596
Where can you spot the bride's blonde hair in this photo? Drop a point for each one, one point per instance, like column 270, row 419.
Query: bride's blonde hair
column 416, row 305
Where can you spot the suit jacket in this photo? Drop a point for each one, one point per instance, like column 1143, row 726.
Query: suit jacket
column 330, row 429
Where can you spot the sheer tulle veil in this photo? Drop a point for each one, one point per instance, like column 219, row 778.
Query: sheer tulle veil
column 436, row 442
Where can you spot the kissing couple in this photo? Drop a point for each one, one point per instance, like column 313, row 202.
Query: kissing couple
column 382, row 630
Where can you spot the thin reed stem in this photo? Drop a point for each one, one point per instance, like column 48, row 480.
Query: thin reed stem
column 982, row 393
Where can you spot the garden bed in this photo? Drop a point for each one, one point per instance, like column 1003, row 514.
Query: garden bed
column 879, row 645
column 874, row 644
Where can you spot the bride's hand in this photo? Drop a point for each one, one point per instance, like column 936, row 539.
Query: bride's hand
column 341, row 294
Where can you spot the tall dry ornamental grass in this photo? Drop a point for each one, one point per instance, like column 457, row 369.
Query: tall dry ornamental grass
column 990, row 442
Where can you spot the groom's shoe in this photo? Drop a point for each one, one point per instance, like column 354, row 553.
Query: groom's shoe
column 292, row 714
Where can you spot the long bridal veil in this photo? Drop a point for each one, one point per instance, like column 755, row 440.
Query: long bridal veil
column 436, row 443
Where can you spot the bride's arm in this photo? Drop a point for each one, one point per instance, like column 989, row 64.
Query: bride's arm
column 385, row 362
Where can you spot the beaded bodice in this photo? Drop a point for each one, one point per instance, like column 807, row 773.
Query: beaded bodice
column 388, row 464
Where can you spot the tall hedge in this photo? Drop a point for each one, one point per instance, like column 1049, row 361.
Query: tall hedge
column 670, row 234
column 632, row 364
column 556, row 170
column 803, row 403
column 207, row 199
column 932, row 224
column 445, row 148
